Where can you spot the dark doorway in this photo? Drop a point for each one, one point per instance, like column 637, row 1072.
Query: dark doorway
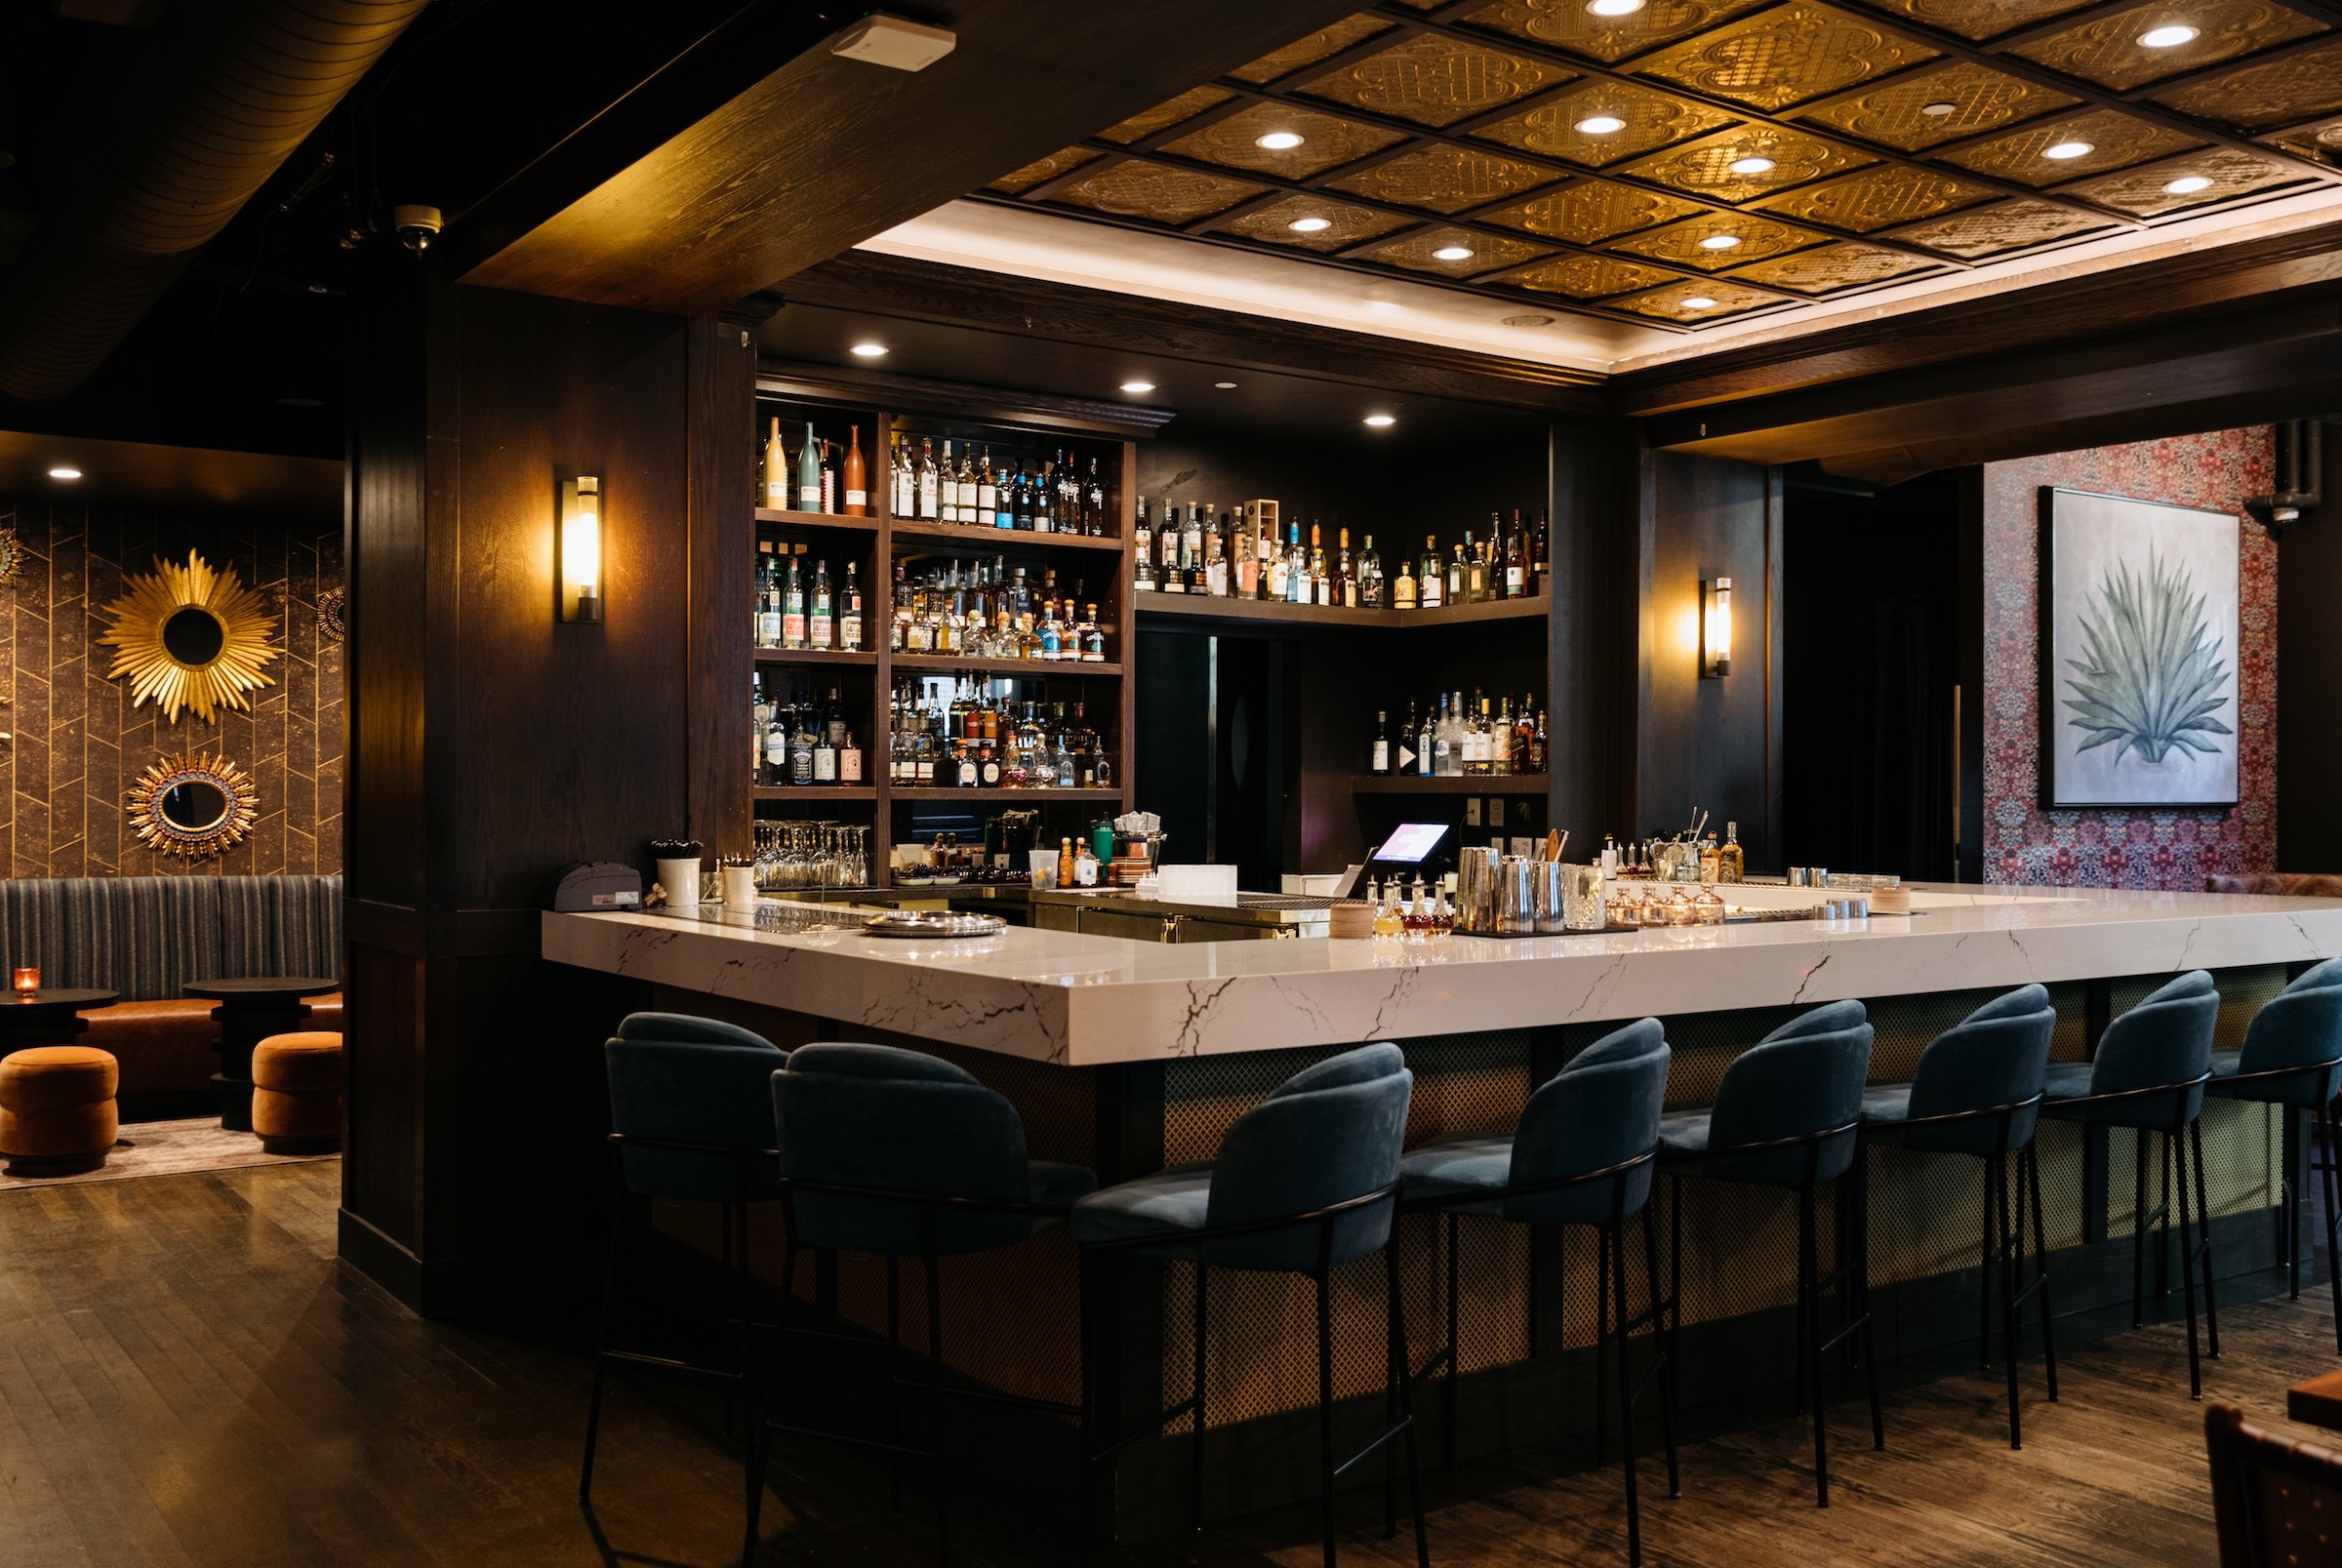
column 1870, row 671
column 1214, row 750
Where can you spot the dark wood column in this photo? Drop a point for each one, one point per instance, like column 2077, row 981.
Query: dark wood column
column 491, row 745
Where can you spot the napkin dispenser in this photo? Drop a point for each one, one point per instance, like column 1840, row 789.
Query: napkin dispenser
column 604, row 885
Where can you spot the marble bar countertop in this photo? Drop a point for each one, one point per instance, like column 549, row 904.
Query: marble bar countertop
column 1088, row 1000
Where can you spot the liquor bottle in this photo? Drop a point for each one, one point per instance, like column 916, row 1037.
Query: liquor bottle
column 1525, row 736
column 1247, row 584
column 858, row 475
column 824, row 758
column 809, row 472
column 1044, row 501
column 1019, row 499
column 1093, row 636
column 1297, row 568
column 849, row 761
column 1379, row 762
column 1215, row 560
column 1273, row 574
column 818, row 623
column 1516, row 575
column 1475, row 746
column 930, row 485
column 1191, row 547
column 1094, row 522
column 1370, row 577
column 1537, row 746
column 1732, row 861
column 1427, row 743
column 903, row 489
column 1319, row 592
column 1429, row 578
column 792, row 608
column 1345, row 576
column 1263, row 549
column 1500, row 738
column 1064, row 864
column 1476, row 588
column 829, row 478
column 968, row 515
column 801, row 749
column 946, row 489
column 776, row 753
column 776, row 470
column 768, row 598
column 1541, row 562
column 1444, row 761
column 849, row 620
column 1457, row 584
column 1402, row 587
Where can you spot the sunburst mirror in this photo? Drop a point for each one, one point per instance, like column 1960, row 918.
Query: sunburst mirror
column 193, row 804
column 191, row 638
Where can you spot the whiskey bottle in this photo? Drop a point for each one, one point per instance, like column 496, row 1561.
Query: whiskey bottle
column 903, row 486
column 1430, row 580
column 768, row 597
column 1247, row 563
column 1732, row 861
column 1345, row 579
column 1370, row 577
column 819, row 625
column 849, row 620
column 1475, row 569
column 809, row 472
column 792, row 608
column 1402, row 587
column 776, row 470
column 1191, row 548
column 1093, row 636
column 946, row 489
column 1094, row 519
column 1537, row 746
column 1458, row 582
column 930, row 485
column 1274, row 573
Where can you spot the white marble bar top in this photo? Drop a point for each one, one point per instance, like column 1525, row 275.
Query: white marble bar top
column 1087, row 1000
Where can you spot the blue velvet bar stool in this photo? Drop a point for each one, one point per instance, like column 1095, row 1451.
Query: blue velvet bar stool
column 692, row 1121
column 1582, row 1154
column 2292, row 1056
column 1305, row 1181
column 1978, row 1091
column 2149, row 1075
column 904, row 1154
column 1785, row 1116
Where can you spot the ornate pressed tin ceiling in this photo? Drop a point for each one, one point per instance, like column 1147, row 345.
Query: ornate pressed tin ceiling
column 1531, row 149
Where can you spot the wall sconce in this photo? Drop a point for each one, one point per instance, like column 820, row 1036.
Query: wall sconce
column 581, row 564
column 1716, row 628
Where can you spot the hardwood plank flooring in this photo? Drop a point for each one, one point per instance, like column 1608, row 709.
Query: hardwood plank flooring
column 189, row 1379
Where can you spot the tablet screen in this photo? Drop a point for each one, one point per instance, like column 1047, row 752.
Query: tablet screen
column 1412, row 841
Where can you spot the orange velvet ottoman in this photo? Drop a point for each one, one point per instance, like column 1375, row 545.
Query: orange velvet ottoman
column 297, row 1093
column 57, row 1108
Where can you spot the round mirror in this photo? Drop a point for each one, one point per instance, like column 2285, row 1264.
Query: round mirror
column 194, row 636
column 194, row 806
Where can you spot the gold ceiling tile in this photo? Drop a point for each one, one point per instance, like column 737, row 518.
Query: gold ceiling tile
column 1433, row 79
column 1981, row 18
column 1570, row 25
column 1704, row 167
column 1832, row 267
column 1786, row 55
column 1308, row 51
column 1756, row 238
column 1446, row 179
column 1878, row 198
column 1345, row 224
column 2012, row 226
column 1190, row 104
column 2106, row 50
column 1134, row 188
column 1980, row 99
column 1415, row 252
column 1049, row 168
column 1674, row 302
column 2116, row 139
column 1652, row 120
column 1325, row 141
column 1594, row 209
column 2278, row 91
column 2323, row 145
column 1586, row 277
column 2147, row 192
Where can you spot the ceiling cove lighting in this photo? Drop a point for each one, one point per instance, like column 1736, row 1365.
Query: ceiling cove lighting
column 867, row 350
column 1310, row 225
column 1137, row 387
column 1452, row 253
column 1380, row 422
column 1699, row 301
column 1937, row 110
column 2066, row 151
column 65, row 471
column 2168, row 37
column 1719, row 242
column 1225, row 386
column 1278, row 140
column 2188, row 185
column 1614, row 8
column 1601, row 124
column 1751, row 166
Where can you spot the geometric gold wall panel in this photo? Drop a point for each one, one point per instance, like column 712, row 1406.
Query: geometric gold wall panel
column 1568, row 24
column 2106, row 50
column 1346, row 224
column 1593, row 211
column 1019, row 180
column 1235, row 141
column 1786, row 55
column 1705, row 168
column 1414, row 252
column 1310, row 50
column 1651, row 120
column 2274, row 93
column 1967, row 100
column 1434, row 80
column 1587, row 277
column 1878, row 198
column 1155, row 190
column 1190, row 104
column 1832, row 267
column 1446, row 179
column 2142, row 192
column 2011, row 226
column 2115, row 141
column 1685, row 244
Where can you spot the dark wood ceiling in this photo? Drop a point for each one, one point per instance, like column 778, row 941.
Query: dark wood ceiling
column 1751, row 154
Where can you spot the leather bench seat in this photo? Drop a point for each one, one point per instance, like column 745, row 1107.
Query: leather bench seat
column 166, row 1048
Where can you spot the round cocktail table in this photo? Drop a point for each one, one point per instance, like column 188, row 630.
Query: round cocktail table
column 251, row 1010
column 50, row 1017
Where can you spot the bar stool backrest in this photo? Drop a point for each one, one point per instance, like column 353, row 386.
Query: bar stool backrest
column 881, row 1117
column 1592, row 1114
column 2299, row 1026
column 2166, row 1039
column 1329, row 1133
column 1623, row 1044
column 680, row 1079
column 1802, row 1079
column 1997, row 1056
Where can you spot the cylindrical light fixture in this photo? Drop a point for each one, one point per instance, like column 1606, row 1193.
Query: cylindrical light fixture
column 580, row 563
column 25, row 982
column 1716, row 628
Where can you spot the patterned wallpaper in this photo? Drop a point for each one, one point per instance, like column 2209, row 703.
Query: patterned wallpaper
column 78, row 742
column 2130, row 846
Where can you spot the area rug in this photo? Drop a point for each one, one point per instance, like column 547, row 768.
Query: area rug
column 170, row 1148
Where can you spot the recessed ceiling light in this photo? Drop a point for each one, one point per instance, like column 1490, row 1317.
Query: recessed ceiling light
column 1697, row 301
column 1939, row 109
column 2168, row 37
column 1310, row 226
column 1225, row 386
column 1614, row 8
column 63, row 473
column 1278, row 140
column 1751, row 166
column 1719, row 242
column 2189, row 184
column 1452, row 253
column 2066, row 150
column 1137, row 387
column 869, row 350
column 1601, row 124
column 1380, row 422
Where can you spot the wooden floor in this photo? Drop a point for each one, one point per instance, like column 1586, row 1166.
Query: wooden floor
column 187, row 1377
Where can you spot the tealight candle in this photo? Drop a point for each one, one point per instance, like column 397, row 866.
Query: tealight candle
column 25, row 982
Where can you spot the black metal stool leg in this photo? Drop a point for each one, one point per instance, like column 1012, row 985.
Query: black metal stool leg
column 935, row 1356
column 1806, row 1302
column 2009, row 1252
column 1196, row 1447
column 1455, row 1351
column 1809, row 1319
column 2162, row 1228
column 1084, row 1266
column 1601, row 1342
column 2187, row 1272
column 1984, row 1282
column 601, row 1344
column 2204, row 1232
column 732, row 1262
column 894, row 1384
column 2031, row 1167
column 1616, row 1251
column 1662, row 1347
column 1325, row 1412
column 2329, row 1180
column 1401, row 1359
column 1862, row 1282
column 762, row 1399
column 2139, row 1236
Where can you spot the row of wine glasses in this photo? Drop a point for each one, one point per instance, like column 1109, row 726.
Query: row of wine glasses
column 793, row 855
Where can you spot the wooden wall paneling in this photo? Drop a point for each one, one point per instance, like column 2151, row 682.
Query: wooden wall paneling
column 1594, row 474
column 1972, row 697
column 2309, row 657
column 720, row 365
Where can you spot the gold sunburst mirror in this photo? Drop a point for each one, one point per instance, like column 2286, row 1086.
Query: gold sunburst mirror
column 191, row 638
column 193, row 804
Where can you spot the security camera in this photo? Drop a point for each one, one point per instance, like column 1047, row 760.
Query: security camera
column 417, row 226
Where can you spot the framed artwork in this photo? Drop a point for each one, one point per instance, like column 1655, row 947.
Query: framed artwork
column 2139, row 627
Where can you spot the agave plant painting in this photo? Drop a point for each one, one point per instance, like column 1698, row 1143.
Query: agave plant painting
column 2140, row 695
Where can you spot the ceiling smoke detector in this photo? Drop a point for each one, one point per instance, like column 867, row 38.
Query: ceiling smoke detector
column 897, row 44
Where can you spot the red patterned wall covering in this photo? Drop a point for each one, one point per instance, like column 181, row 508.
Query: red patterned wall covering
column 2128, row 847
column 79, row 743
